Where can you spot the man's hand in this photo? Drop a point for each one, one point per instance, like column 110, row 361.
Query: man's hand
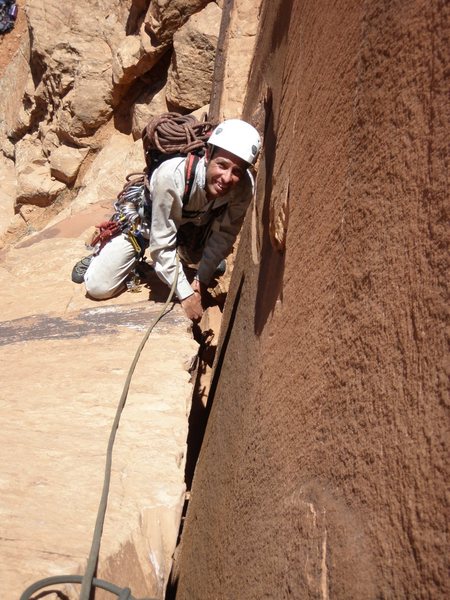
column 205, row 296
column 192, row 306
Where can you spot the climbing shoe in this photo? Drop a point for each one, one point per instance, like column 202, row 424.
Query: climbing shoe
column 80, row 269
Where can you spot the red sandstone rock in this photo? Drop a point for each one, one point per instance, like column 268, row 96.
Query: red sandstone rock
column 324, row 467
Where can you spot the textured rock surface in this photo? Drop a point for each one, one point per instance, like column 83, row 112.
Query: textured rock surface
column 239, row 47
column 106, row 174
column 149, row 105
column 65, row 162
column 10, row 42
column 14, row 85
column 134, row 56
column 74, row 94
column 324, row 468
column 164, row 18
column 35, row 184
column 8, row 185
column 67, row 121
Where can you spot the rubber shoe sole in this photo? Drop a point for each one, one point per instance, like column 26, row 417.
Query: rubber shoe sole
column 80, row 269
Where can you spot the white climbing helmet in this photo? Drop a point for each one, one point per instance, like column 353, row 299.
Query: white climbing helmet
column 238, row 137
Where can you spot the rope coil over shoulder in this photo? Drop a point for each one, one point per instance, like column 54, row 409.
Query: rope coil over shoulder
column 173, row 133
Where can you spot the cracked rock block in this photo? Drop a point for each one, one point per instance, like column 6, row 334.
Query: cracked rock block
column 191, row 71
column 65, row 163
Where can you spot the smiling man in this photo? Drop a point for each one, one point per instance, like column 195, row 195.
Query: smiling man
column 201, row 224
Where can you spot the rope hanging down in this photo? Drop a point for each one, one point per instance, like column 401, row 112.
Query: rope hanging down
column 88, row 581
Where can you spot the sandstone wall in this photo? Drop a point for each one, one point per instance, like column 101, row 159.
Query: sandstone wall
column 323, row 469
column 234, row 54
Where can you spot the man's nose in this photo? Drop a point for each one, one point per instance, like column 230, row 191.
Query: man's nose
column 227, row 175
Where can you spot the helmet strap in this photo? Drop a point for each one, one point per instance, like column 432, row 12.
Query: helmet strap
column 210, row 151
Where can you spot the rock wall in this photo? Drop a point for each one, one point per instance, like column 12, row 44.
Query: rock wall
column 324, row 465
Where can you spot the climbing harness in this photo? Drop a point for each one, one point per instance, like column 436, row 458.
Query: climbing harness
column 132, row 210
column 88, row 581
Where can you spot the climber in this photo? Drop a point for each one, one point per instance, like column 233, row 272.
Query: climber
column 202, row 230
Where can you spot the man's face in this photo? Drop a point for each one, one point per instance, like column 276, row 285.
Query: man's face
column 223, row 172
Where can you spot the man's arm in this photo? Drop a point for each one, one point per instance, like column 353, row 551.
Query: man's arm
column 192, row 305
column 166, row 210
column 224, row 232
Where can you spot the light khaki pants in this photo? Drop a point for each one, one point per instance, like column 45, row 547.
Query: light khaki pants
column 108, row 271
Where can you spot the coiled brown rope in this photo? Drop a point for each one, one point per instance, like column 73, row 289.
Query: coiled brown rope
column 172, row 133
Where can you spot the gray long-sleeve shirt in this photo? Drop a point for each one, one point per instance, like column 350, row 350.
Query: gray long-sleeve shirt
column 166, row 189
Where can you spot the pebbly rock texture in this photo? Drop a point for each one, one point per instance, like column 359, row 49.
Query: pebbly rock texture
column 324, row 467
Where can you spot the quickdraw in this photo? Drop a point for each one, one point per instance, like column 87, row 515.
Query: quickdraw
column 129, row 211
column 107, row 230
